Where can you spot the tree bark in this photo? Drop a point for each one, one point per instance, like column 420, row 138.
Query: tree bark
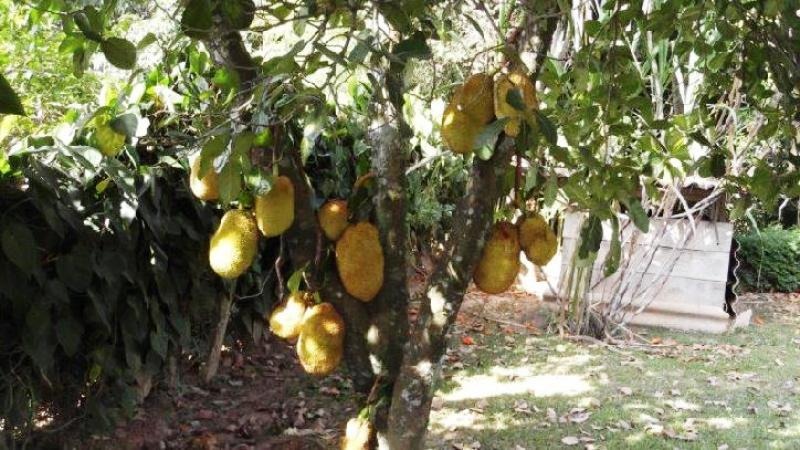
column 413, row 390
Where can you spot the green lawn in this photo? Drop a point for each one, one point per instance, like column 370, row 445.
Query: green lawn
column 518, row 391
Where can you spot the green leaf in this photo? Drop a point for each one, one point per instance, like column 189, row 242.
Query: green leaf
column 212, row 149
column 614, row 256
column 125, row 124
column 638, row 215
column 9, row 101
column 230, row 181
column 196, row 21
column 69, row 332
column 551, row 189
column 591, row 236
column 547, row 128
column 80, row 61
column 415, row 46
column 146, row 41
column 158, row 341
column 20, row 246
column 75, row 269
column 119, row 52
column 514, row 98
column 485, row 142
column 242, row 143
column 293, row 284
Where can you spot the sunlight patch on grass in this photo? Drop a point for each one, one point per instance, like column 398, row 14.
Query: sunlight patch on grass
column 792, row 430
column 725, row 423
column 505, row 381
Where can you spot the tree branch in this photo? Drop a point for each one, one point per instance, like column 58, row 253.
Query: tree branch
column 388, row 137
column 444, row 294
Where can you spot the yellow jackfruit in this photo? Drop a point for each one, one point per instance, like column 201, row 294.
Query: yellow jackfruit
column 476, row 98
column 359, row 258
column 108, row 141
column 332, row 218
column 514, row 80
column 275, row 209
column 499, row 263
column 537, row 240
column 530, row 228
column 205, row 188
column 286, row 318
column 357, row 434
column 234, row 244
column 321, row 340
column 459, row 129
column 542, row 249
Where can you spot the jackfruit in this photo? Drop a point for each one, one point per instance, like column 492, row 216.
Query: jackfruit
column 514, row 80
column 499, row 263
column 108, row 141
column 234, row 244
column 530, row 228
column 332, row 218
column 321, row 341
column 286, row 318
column 359, row 258
column 205, row 188
column 542, row 249
column 275, row 209
column 459, row 129
column 476, row 98
column 537, row 240
column 357, row 434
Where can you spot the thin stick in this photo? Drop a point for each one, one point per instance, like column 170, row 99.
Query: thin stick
column 212, row 364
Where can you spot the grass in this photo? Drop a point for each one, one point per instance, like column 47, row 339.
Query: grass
column 694, row 391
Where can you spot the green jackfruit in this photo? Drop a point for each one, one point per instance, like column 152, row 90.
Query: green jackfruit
column 359, row 258
column 286, row 318
column 332, row 218
column 499, row 263
column 205, row 188
column 234, row 244
column 321, row 340
column 459, row 129
column 514, row 80
column 476, row 98
column 106, row 138
column 275, row 209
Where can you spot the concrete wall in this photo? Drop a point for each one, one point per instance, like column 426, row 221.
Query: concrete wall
column 693, row 291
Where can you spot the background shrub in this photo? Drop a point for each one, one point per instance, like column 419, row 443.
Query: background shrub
column 770, row 259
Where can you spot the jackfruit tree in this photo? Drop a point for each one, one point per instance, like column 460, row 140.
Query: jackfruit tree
column 321, row 145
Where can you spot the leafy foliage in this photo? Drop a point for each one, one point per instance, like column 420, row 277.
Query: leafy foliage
column 770, row 259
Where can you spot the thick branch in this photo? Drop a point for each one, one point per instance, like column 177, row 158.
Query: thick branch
column 389, row 141
column 444, row 294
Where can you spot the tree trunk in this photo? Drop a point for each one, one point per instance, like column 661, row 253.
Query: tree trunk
column 413, row 390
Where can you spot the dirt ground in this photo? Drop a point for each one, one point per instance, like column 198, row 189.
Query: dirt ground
column 263, row 399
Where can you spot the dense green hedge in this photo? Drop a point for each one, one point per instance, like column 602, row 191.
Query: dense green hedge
column 101, row 284
column 770, row 259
